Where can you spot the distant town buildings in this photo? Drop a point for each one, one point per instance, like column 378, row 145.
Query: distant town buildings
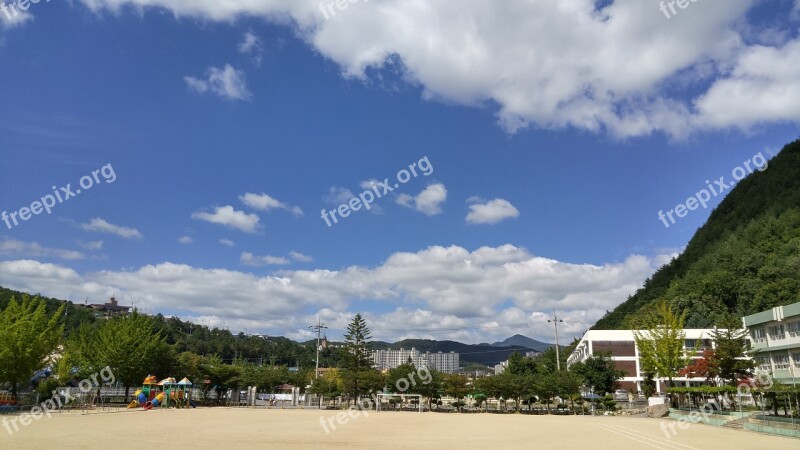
column 439, row 361
column 774, row 335
column 110, row 309
column 500, row 368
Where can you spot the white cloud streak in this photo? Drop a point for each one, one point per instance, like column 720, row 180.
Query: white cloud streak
column 100, row 225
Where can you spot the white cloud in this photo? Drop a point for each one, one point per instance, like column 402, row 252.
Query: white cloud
column 11, row 18
column 439, row 287
column 252, row 45
column 264, row 202
column 624, row 68
column 427, row 202
column 229, row 217
column 338, row 195
column 490, row 212
column 248, row 259
column 227, row 242
column 764, row 86
column 227, row 82
column 185, row 240
column 91, row 245
column 299, row 257
column 101, row 226
column 11, row 247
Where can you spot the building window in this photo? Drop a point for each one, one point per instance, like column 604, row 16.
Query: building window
column 776, row 332
column 793, row 328
column 796, row 358
column 763, row 363
column 781, row 361
column 758, row 335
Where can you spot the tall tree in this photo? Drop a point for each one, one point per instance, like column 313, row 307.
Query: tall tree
column 28, row 336
column 521, row 365
column 130, row 346
column 356, row 358
column 661, row 344
column 732, row 353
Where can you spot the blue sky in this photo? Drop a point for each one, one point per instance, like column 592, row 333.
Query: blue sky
column 567, row 155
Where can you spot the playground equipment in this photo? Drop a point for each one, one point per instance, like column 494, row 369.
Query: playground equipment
column 8, row 403
column 164, row 394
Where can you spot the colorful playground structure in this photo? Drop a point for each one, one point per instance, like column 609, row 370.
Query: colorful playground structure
column 164, row 394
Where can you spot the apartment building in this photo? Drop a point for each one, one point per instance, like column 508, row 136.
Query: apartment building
column 439, row 361
column 775, row 338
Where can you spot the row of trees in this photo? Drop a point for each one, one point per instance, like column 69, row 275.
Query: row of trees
column 33, row 337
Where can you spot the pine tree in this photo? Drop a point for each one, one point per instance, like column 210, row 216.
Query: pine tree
column 356, row 360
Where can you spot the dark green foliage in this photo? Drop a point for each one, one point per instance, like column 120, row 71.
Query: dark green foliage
column 745, row 259
column 599, row 372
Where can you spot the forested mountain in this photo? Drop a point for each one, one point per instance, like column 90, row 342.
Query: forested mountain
column 746, row 258
column 199, row 339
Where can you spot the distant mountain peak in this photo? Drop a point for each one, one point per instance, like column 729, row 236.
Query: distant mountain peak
column 523, row 341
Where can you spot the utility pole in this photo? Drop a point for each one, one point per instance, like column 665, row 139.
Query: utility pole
column 555, row 320
column 318, row 328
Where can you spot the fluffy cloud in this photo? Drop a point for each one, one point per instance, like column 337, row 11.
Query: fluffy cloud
column 443, row 292
column 185, row 240
column 614, row 66
column 491, row 212
column 227, row 82
column 428, row 202
column 263, row 202
column 231, row 218
column 101, row 226
column 227, row 242
column 11, row 247
column 764, row 86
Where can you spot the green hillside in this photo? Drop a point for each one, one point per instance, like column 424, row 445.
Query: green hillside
column 745, row 259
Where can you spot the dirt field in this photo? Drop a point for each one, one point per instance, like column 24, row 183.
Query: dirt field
column 246, row 428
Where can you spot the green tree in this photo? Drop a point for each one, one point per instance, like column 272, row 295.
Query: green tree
column 521, row 365
column 432, row 388
column 356, row 358
column 402, row 372
column 221, row 376
column 732, row 352
column 661, row 345
column 130, row 346
column 599, row 372
column 456, row 386
column 546, row 361
column 28, row 337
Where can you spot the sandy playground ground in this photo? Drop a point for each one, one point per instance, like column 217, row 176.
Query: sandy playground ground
column 248, row 428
